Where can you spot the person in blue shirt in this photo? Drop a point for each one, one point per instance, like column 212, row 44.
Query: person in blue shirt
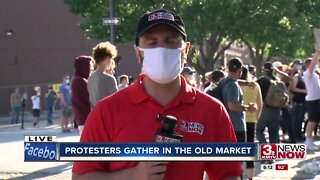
column 233, row 100
column 65, row 99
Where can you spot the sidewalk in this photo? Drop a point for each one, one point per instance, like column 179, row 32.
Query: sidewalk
column 11, row 138
column 5, row 122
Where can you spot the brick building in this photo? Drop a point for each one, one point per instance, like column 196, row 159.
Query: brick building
column 39, row 40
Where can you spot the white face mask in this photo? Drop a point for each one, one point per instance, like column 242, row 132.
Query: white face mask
column 162, row 65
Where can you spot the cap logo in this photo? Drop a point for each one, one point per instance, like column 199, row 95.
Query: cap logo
column 161, row 15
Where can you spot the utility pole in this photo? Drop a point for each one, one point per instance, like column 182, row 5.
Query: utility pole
column 111, row 9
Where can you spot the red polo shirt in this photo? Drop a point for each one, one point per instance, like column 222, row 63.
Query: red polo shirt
column 130, row 116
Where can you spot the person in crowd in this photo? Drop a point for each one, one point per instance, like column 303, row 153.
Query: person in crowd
column 253, row 72
column 216, row 77
column 270, row 116
column 294, row 67
column 233, row 99
column 313, row 98
column 83, row 65
column 207, row 79
column 286, row 116
column 35, row 108
column 299, row 92
column 15, row 103
column 251, row 96
column 161, row 48
column 65, row 99
column 51, row 97
column 124, row 81
column 102, row 84
column 187, row 73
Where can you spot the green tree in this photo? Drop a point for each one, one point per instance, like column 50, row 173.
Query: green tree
column 268, row 27
column 276, row 28
column 128, row 10
column 208, row 24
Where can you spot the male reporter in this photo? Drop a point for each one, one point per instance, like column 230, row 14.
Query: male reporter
column 130, row 115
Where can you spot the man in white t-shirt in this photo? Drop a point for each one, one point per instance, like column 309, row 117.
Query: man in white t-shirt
column 313, row 98
column 35, row 108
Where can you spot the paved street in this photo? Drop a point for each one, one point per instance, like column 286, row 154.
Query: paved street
column 12, row 165
column 11, row 152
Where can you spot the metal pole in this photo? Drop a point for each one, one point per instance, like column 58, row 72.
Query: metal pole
column 23, row 110
column 24, row 101
column 111, row 9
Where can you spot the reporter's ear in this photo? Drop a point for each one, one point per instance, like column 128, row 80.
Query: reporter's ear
column 186, row 50
column 138, row 54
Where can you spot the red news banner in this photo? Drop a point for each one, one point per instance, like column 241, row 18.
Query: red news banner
column 280, row 152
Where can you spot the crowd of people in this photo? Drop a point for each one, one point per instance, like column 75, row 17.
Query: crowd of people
column 77, row 96
column 109, row 110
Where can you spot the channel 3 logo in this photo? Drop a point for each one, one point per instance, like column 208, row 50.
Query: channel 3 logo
column 268, row 151
column 282, row 151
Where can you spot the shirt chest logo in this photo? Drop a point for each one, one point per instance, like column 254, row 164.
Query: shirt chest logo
column 191, row 127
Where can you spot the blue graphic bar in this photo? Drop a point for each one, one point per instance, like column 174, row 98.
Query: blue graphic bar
column 168, row 151
column 40, row 151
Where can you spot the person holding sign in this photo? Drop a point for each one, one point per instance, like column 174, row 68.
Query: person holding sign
column 311, row 79
column 132, row 114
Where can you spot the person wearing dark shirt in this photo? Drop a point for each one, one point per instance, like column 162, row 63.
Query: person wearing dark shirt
column 51, row 97
column 83, row 65
column 216, row 77
column 298, row 103
column 270, row 117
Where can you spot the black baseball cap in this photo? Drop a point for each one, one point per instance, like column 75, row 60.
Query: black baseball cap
column 267, row 66
column 161, row 16
column 187, row 70
column 235, row 64
column 297, row 61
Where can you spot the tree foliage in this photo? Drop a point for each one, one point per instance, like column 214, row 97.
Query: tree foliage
column 268, row 27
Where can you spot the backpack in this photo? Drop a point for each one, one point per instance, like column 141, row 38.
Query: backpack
column 277, row 95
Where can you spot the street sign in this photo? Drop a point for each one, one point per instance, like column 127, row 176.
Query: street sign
column 111, row 21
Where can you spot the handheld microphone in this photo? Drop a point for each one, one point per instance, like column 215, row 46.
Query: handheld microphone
column 166, row 132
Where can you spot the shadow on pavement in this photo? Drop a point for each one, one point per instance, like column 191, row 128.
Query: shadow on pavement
column 43, row 173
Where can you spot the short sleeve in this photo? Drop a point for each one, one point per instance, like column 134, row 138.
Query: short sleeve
column 232, row 93
column 62, row 89
column 223, row 133
column 114, row 86
column 94, row 131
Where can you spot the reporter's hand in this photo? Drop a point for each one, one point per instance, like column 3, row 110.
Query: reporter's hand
column 150, row 170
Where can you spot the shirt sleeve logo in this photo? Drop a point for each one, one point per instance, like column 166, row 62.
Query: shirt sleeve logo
column 191, row 127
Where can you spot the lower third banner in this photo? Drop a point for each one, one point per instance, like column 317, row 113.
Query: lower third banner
column 158, row 151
